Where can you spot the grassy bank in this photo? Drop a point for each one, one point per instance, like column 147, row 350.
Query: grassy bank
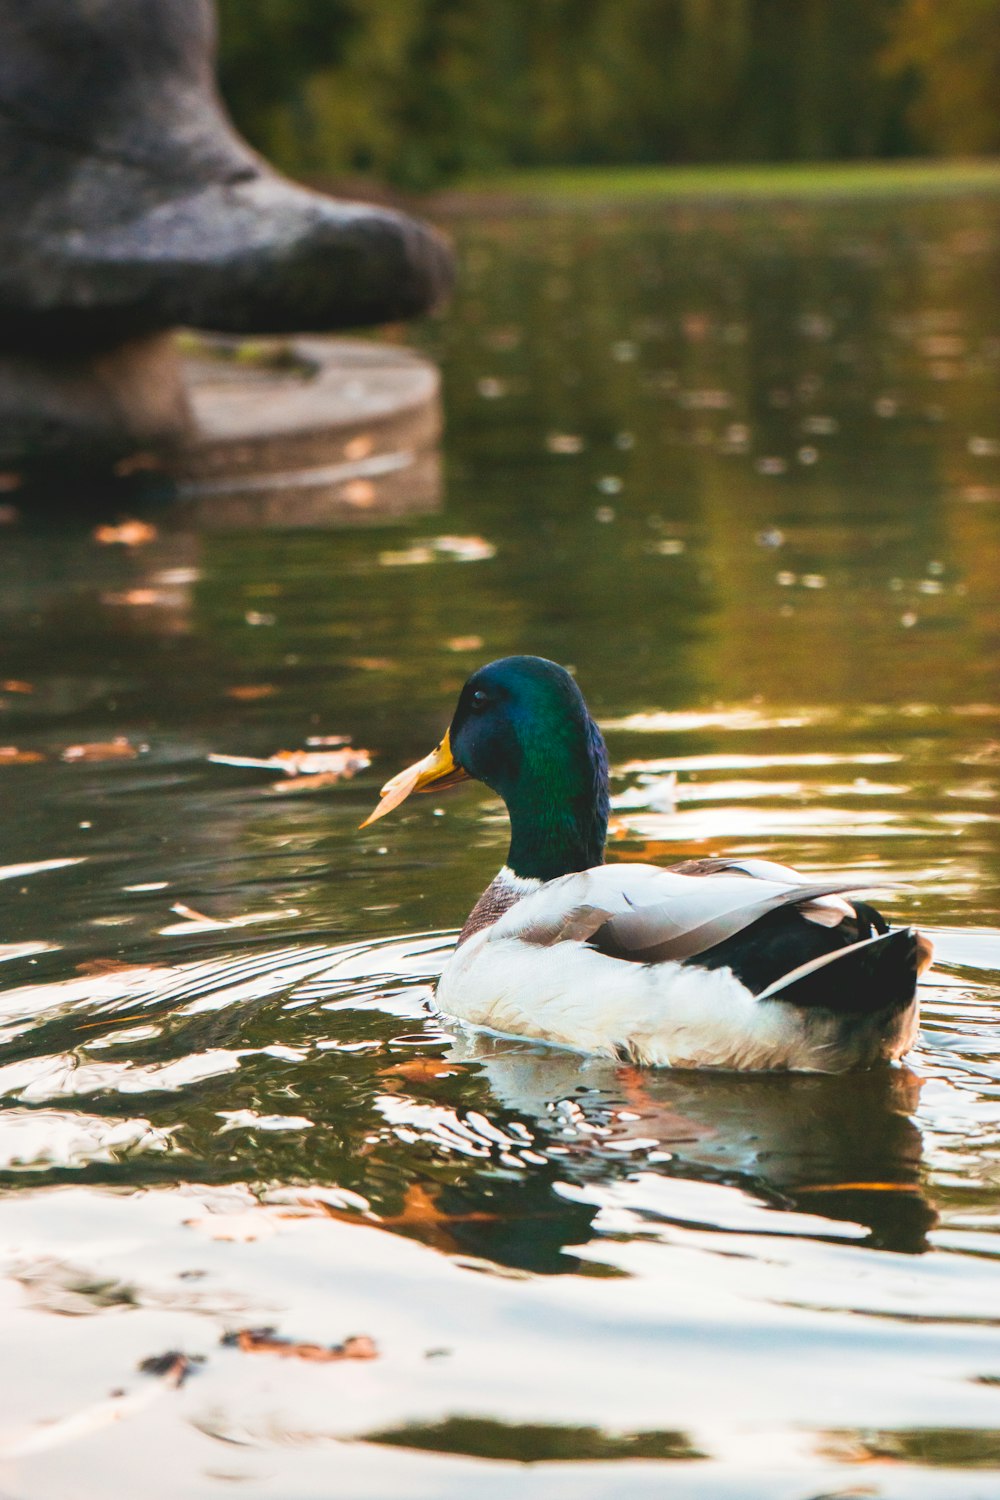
column 810, row 180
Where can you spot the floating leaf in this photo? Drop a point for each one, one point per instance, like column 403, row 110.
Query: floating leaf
column 135, row 598
column 359, row 447
column 196, row 921
column 490, row 387
column 251, row 692
column 980, row 494
column 172, row 1367
column 860, row 1187
column 117, row 749
column 300, row 785
column 420, row 1211
column 564, row 442
column 10, row 755
column 12, row 685
column 420, row 1216
column 98, row 967
column 315, row 768
column 421, row 1069
column 458, row 548
column 267, row 1341
column 126, row 534
column 359, row 492
column 465, row 548
column 409, row 557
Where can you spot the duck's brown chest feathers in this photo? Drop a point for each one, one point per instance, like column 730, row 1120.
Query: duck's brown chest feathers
column 499, row 896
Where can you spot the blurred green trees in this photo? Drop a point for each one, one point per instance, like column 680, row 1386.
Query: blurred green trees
column 952, row 50
column 418, row 91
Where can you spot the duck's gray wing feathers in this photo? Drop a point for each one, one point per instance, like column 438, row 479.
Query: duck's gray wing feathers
column 578, row 924
column 692, row 922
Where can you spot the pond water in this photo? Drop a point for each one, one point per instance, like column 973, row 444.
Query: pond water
column 741, row 470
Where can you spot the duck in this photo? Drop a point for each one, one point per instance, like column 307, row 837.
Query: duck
column 729, row 963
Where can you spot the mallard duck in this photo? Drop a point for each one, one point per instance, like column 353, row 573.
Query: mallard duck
column 725, row 963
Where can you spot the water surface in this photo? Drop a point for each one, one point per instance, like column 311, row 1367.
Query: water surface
column 741, row 471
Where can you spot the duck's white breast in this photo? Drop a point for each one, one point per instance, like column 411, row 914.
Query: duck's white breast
column 663, row 1014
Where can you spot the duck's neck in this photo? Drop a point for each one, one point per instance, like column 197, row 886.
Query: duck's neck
column 559, row 810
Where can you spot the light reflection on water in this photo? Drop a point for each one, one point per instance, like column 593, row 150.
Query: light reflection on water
column 742, row 472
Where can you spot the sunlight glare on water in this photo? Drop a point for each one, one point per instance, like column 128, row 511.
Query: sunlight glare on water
column 741, row 472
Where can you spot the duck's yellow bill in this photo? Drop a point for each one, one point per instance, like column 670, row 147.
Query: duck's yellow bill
column 435, row 772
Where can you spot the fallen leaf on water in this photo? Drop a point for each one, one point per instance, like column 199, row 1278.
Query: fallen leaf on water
column 407, row 557
column 315, row 766
column 251, row 692
column 10, row 480
column 465, row 548
column 97, row 967
column 359, row 492
column 12, row 685
column 359, row 447
column 465, row 643
column 458, row 548
column 173, row 1367
column 980, row 494
column 564, row 442
column 134, row 598
column 125, row 534
column 422, row 1219
column 859, row 1187
column 196, row 921
column 297, row 785
column 267, row 1341
column 190, row 915
column 421, row 1069
column 490, row 388
column 420, row 1214
column 10, row 755
column 117, row 749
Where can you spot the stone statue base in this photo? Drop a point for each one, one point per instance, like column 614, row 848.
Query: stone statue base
column 92, row 408
column 311, row 432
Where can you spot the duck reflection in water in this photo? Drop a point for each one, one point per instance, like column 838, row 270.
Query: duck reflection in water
column 841, row 1148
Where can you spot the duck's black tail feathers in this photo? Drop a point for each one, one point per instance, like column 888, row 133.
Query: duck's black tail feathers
column 879, row 973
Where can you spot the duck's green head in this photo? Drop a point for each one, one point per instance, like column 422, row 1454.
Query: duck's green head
column 522, row 727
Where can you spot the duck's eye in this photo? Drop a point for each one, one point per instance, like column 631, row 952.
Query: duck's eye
column 480, row 700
